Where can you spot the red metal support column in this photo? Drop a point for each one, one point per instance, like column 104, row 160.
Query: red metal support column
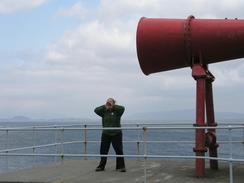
column 211, row 135
column 199, row 74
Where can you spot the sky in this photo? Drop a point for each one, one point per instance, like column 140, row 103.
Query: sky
column 61, row 59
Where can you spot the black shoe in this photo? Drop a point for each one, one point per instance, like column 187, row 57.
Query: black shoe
column 99, row 169
column 121, row 170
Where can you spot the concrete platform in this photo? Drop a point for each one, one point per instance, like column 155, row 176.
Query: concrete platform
column 82, row 171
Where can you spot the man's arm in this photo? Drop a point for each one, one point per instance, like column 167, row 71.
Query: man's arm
column 119, row 109
column 100, row 110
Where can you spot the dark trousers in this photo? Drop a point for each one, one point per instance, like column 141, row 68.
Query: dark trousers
column 116, row 141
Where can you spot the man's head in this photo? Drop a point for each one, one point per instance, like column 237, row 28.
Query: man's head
column 110, row 103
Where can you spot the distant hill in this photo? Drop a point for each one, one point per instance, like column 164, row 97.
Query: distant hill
column 53, row 120
column 187, row 115
column 183, row 115
column 18, row 119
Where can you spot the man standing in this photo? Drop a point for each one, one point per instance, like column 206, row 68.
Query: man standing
column 111, row 115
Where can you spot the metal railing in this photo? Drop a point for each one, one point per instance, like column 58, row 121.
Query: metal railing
column 139, row 127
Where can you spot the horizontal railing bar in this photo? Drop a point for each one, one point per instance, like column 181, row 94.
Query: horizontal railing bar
column 128, row 156
column 207, row 127
column 77, row 142
column 175, row 123
column 123, row 128
column 158, row 141
column 134, row 124
column 40, row 146
column 29, row 147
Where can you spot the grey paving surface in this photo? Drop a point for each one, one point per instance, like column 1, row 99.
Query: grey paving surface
column 82, row 171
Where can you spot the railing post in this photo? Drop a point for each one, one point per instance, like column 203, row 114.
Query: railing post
column 243, row 134
column 56, row 141
column 145, row 153
column 7, row 145
column 33, row 144
column 62, row 145
column 230, row 161
column 85, row 141
column 138, row 141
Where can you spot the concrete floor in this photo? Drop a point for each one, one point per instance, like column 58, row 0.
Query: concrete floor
column 82, row 171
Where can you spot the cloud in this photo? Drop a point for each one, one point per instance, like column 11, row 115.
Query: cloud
column 97, row 59
column 77, row 10
column 229, row 74
column 101, row 53
column 13, row 6
column 124, row 9
column 90, row 45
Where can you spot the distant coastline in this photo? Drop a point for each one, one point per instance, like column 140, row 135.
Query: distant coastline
column 157, row 116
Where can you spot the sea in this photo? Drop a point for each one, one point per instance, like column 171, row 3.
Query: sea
column 15, row 139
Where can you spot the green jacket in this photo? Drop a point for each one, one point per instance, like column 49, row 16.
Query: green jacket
column 110, row 118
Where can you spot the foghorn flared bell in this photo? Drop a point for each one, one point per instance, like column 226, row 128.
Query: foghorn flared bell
column 167, row 44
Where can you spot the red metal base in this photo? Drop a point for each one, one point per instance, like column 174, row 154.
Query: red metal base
column 211, row 122
column 204, row 94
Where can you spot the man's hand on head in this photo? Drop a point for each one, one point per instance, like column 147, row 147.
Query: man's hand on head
column 109, row 104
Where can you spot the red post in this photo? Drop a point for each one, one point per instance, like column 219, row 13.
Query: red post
column 212, row 145
column 199, row 74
